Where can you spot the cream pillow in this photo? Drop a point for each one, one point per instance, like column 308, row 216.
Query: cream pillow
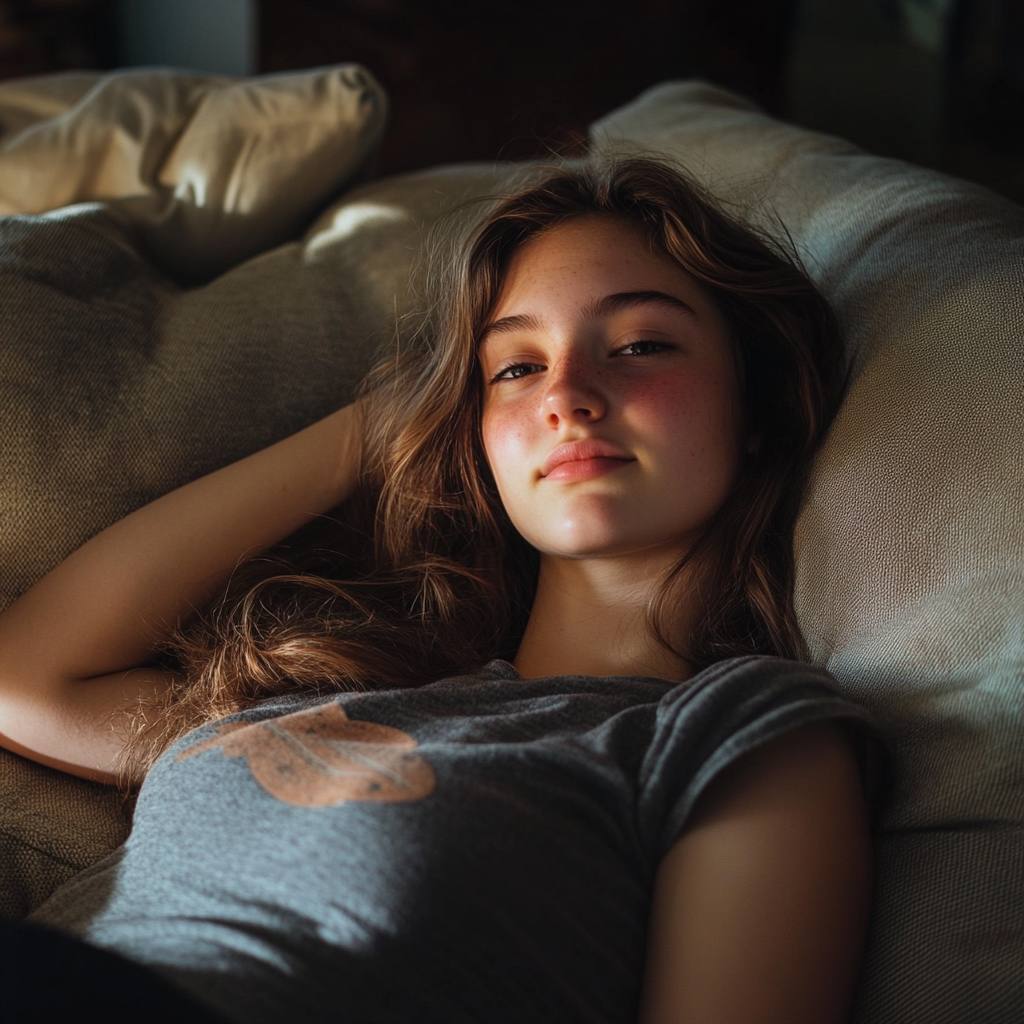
column 208, row 171
column 910, row 547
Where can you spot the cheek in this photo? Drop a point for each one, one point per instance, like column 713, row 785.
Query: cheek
column 667, row 404
column 505, row 443
column 695, row 416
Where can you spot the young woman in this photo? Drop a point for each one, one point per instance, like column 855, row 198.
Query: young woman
column 509, row 737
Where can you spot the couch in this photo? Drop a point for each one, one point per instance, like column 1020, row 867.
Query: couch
column 192, row 267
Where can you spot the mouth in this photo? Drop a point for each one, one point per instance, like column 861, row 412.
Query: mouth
column 584, row 469
column 577, row 460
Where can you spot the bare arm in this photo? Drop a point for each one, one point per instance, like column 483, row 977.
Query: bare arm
column 70, row 647
column 760, row 908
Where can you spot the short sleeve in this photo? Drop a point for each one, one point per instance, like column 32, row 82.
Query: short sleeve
column 705, row 724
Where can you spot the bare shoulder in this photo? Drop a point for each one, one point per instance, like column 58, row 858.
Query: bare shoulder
column 760, row 908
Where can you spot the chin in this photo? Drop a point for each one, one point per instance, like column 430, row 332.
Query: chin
column 585, row 546
column 602, row 529
column 575, row 539
column 613, row 543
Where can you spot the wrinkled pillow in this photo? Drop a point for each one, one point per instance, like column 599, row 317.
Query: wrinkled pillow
column 910, row 547
column 207, row 170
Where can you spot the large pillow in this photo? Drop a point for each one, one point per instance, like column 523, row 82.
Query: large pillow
column 117, row 380
column 910, row 547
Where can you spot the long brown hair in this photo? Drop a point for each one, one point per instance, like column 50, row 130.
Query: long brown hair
column 422, row 575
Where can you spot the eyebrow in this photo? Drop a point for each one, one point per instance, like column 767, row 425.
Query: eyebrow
column 595, row 310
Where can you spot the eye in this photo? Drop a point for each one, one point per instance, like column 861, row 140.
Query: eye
column 515, row 371
column 643, row 348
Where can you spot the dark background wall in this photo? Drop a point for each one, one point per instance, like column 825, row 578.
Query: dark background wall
column 938, row 82
column 517, row 77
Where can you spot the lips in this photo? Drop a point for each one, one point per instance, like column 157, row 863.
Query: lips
column 600, row 452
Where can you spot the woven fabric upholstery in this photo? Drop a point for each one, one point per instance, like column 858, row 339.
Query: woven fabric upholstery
column 52, row 826
column 910, row 548
column 117, row 383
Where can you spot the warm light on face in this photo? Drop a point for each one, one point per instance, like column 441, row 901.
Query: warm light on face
column 612, row 418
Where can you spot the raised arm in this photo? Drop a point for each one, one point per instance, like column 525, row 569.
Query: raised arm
column 760, row 908
column 70, row 646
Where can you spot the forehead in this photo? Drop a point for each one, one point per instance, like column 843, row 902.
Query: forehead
column 595, row 252
column 567, row 267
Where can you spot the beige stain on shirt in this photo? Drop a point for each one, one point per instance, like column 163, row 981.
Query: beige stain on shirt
column 319, row 757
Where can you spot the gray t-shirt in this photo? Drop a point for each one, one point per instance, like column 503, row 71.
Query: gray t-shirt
column 481, row 849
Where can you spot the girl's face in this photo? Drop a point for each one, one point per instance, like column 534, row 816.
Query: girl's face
column 612, row 416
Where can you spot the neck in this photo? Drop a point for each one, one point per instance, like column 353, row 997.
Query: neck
column 589, row 617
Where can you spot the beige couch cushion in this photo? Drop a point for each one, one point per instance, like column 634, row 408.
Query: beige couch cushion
column 116, row 383
column 910, row 548
column 116, row 386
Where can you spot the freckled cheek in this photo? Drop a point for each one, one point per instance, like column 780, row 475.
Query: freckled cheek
column 688, row 413
column 664, row 405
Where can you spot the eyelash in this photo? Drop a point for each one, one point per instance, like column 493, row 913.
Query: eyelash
column 499, row 376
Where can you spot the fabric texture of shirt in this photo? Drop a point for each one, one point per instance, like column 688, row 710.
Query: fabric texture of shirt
column 481, row 849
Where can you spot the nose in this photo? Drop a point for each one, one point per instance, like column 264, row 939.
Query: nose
column 573, row 394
